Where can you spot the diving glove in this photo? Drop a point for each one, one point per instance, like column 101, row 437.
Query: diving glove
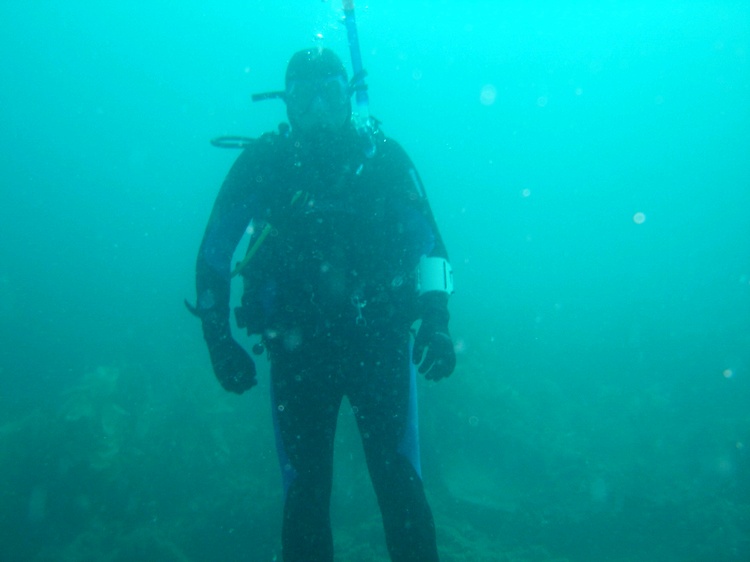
column 440, row 358
column 232, row 365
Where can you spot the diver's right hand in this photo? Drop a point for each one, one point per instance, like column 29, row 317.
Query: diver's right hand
column 232, row 365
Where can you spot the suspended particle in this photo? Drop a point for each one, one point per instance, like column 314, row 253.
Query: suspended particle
column 488, row 94
column 639, row 218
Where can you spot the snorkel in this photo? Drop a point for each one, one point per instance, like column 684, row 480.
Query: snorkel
column 362, row 121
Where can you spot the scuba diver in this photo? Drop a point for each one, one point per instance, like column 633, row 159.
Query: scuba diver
column 344, row 257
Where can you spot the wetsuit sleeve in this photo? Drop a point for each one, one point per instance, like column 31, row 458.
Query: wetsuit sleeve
column 235, row 205
column 415, row 213
column 423, row 235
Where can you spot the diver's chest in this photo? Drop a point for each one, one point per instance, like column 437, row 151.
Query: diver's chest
column 357, row 223
column 345, row 205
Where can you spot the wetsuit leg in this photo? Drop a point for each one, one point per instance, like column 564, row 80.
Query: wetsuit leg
column 306, row 399
column 382, row 391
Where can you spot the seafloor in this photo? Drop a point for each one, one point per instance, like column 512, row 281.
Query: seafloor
column 119, row 470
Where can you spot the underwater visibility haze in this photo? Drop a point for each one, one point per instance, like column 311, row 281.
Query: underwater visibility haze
column 587, row 163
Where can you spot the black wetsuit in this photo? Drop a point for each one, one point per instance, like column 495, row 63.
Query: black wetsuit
column 331, row 289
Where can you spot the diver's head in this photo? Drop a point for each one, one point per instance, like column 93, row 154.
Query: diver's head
column 317, row 94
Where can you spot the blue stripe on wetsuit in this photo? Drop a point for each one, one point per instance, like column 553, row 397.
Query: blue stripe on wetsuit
column 409, row 446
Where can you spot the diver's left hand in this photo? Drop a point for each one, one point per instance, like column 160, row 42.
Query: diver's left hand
column 440, row 359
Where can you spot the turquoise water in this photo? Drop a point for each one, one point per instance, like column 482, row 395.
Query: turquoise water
column 588, row 165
